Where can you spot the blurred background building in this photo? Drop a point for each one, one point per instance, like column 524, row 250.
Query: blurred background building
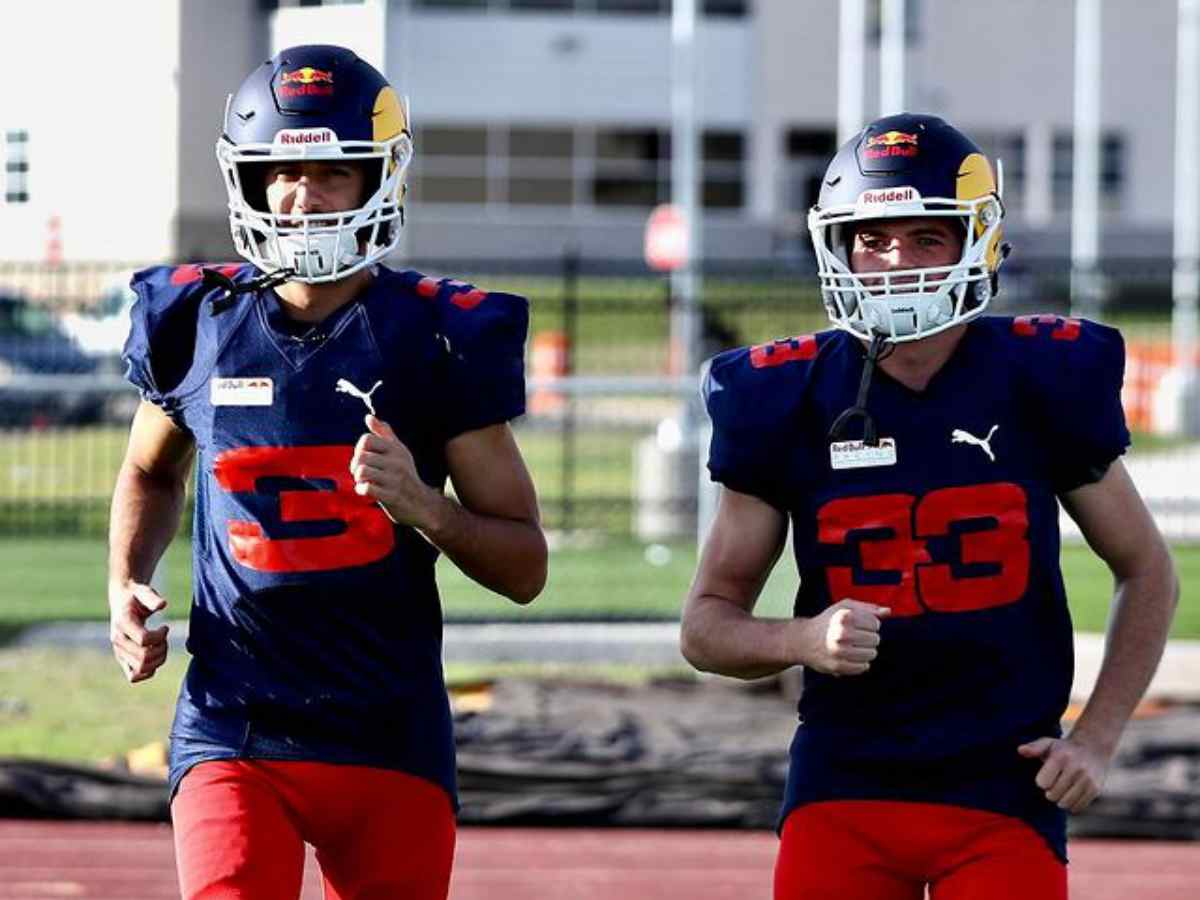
column 542, row 124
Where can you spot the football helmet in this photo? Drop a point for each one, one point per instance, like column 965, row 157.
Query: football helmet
column 898, row 167
column 314, row 103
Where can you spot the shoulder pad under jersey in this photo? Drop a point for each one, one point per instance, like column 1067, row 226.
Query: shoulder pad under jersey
column 164, row 321
column 753, row 396
column 1072, row 371
column 484, row 334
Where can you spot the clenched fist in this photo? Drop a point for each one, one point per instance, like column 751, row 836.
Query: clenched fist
column 139, row 650
column 844, row 639
column 384, row 469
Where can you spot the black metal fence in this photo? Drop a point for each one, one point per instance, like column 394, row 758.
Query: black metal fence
column 599, row 444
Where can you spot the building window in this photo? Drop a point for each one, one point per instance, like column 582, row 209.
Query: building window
column 16, row 166
column 541, row 5
column 1113, row 169
column 724, row 186
column 541, row 166
column 1007, row 148
column 633, row 6
column 529, row 165
column 716, row 8
column 451, row 165
column 807, row 152
column 632, row 167
column 278, row 4
column 912, row 22
column 732, row 9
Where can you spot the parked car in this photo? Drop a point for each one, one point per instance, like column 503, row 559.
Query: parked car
column 32, row 345
column 100, row 329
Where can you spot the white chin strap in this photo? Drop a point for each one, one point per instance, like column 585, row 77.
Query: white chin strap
column 900, row 316
column 315, row 255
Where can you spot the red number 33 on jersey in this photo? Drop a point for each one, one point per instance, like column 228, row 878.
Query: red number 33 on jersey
column 892, row 534
column 368, row 535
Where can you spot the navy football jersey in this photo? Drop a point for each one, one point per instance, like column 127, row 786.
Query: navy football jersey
column 953, row 524
column 316, row 627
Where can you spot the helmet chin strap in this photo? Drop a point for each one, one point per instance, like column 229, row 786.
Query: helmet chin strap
column 837, row 432
column 230, row 290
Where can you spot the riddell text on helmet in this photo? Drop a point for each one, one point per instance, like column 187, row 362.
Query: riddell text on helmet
column 301, row 136
column 888, row 195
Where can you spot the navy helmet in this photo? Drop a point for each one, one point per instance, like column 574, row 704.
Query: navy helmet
column 320, row 103
column 899, row 167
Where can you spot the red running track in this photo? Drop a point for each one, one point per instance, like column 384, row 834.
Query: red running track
column 116, row 861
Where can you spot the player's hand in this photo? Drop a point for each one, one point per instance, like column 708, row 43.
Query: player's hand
column 139, row 650
column 383, row 468
column 1072, row 773
column 844, row 639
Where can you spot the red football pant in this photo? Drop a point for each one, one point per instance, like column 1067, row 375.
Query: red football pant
column 874, row 850
column 241, row 826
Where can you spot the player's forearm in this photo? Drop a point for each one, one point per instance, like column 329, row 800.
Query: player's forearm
column 504, row 555
column 720, row 637
column 144, row 516
column 1143, row 606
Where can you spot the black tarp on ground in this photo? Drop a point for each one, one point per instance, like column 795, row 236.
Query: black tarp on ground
column 709, row 754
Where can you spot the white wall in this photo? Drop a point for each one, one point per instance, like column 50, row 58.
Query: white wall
column 358, row 27
column 98, row 96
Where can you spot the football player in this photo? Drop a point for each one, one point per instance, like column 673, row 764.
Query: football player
column 920, row 451
column 325, row 400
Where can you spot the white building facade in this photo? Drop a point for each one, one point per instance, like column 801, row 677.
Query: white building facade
column 545, row 124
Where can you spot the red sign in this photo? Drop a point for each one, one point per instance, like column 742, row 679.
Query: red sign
column 666, row 243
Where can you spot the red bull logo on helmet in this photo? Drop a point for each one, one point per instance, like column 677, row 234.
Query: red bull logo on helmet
column 892, row 143
column 306, row 81
column 307, row 75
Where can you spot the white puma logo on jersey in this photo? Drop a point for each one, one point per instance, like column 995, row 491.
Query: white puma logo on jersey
column 345, row 387
column 958, row 436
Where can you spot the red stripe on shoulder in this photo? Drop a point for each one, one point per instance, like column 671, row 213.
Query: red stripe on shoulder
column 1063, row 330
column 787, row 350
column 186, row 274
column 428, row 287
column 469, row 299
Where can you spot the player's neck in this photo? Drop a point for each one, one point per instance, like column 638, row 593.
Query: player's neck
column 314, row 302
column 914, row 363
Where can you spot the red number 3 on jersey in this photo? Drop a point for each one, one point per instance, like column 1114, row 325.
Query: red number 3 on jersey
column 368, row 535
column 891, row 532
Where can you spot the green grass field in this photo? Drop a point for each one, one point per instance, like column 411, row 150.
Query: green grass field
column 45, row 580
column 73, row 704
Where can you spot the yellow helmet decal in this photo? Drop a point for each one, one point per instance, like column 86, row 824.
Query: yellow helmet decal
column 975, row 178
column 388, row 117
column 976, row 182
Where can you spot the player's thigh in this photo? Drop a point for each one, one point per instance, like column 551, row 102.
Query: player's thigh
column 825, row 855
column 233, row 836
column 400, row 842
column 1006, row 860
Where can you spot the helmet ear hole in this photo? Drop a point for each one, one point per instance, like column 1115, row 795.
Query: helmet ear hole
column 982, row 292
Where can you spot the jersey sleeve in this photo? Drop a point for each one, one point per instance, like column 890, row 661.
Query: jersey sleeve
column 165, row 328
column 485, row 335
column 161, row 343
column 751, row 405
column 1078, row 367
